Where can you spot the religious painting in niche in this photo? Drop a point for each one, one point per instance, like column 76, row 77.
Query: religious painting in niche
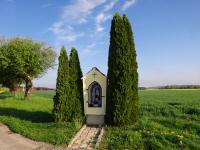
column 95, row 95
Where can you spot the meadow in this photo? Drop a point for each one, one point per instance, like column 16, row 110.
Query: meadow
column 170, row 119
column 32, row 118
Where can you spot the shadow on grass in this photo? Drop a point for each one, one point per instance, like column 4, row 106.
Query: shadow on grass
column 5, row 95
column 35, row 117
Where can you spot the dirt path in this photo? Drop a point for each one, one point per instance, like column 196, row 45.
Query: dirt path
column 13, row 141
column 85, row 139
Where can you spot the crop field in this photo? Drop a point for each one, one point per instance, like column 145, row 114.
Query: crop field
column 170, row 119
column 32, row 118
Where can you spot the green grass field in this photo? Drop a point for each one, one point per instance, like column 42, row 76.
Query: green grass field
column 170, row 120
column 32, row 118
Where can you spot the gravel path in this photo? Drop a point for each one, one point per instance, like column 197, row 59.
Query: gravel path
column 14, row 141
column 85, row 139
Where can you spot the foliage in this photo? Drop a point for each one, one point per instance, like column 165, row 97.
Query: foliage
column 76, row 85
column 62, row 103
column 33, row 118
column 122, row 90
column 9, row 76
column 135, row 112
column 3, row 89
column 170, row 120
column 22, row 60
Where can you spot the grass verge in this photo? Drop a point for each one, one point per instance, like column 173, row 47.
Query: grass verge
column 32, row 118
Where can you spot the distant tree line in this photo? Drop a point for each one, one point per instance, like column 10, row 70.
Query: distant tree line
column 171, row 87
column 142, row 88
column 42, row 88
column 179, row 87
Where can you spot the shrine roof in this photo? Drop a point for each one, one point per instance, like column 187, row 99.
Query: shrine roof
column 94, row 68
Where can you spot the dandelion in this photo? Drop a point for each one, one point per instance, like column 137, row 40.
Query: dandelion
column 180, row 137
column 172, row 132
column 181, row 142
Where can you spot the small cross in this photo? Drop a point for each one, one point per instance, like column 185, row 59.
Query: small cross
column 94, row 74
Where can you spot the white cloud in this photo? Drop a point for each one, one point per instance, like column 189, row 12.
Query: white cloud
column 89, row 49
column 127, row 4
column 82, row 20
column 99, row 28
column 110, row 5
column 80, row 9
column 73, row 36
column 65, row 32
column 100, row 19
column 104, row 16
column 74, row 14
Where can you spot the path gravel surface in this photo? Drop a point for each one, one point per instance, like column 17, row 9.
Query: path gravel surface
column 13, row 141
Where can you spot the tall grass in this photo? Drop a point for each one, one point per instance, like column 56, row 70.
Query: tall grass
column 170, row 120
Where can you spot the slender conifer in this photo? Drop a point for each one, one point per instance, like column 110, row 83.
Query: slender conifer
column 122, row 94
column 62, row 105
column 76, row 85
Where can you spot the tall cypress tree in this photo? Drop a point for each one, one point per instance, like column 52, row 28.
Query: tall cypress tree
column 121, row 76
column 135, row 99
column 76, row 84
column 62, row 107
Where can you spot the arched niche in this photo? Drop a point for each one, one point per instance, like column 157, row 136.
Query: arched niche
column 94, row 95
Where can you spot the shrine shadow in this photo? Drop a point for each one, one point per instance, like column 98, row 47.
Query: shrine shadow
column 35, row 116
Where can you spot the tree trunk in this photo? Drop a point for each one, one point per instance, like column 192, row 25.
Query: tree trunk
column 13, row 92
column 13, row 89
column 28, row 87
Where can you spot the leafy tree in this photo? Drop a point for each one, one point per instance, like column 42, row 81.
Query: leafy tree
column 8, row 77
column 122, row 96
column 76, row 84
column 22, row 60
column 13, row 81
column 62, row 105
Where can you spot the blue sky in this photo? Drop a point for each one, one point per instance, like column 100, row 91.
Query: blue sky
column 167, row 34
